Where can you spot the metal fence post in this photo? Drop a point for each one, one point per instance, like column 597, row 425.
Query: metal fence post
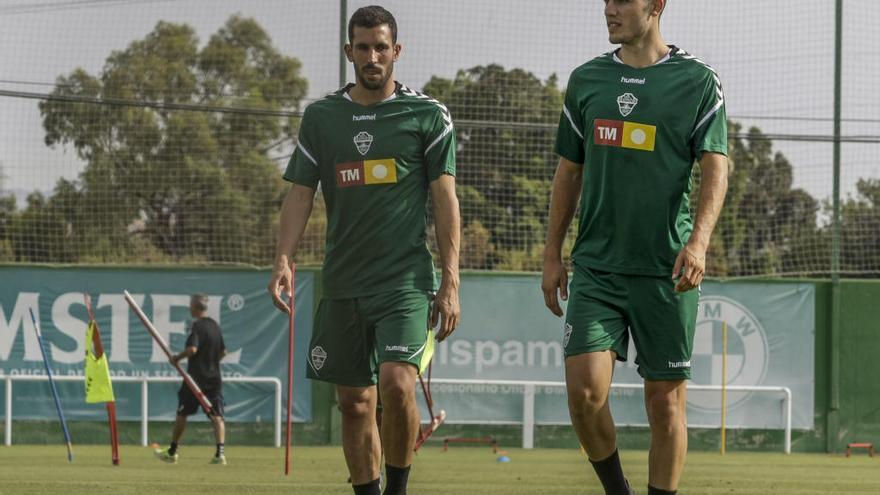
column 8, row 436
column 528, row 433
column 145, row 411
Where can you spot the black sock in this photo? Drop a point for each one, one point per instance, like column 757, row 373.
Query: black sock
column 397, row 478
column 173, row 449
column 611, row 475
column 371, row 488
column 657, row 491
column 219, row 450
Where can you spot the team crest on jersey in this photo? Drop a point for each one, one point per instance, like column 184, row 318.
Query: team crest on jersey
column 319, row 356
column 363, row 141
column 626, row 103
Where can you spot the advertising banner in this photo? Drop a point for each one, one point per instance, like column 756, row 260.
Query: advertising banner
column 254, row 331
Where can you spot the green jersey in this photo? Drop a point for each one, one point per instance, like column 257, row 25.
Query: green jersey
column 637, row 133
column 374, row 164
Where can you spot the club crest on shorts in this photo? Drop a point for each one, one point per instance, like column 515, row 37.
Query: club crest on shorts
column 319, row 356
column 566, row 334
column 363, row 140
column 626, row 103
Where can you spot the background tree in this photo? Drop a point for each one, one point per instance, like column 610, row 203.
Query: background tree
column 766, row 226
column 7, row 214
column 860, row 229
column 165, row 183
column 506, row 126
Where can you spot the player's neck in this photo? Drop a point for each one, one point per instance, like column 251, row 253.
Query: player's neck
column 645, row 51
column 366, row 97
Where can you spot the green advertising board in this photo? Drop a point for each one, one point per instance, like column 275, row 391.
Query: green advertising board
column 255, row 333
column 507, row 334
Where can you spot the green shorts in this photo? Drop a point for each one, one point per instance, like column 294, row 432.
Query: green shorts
column 605, row 308
column 352, row 337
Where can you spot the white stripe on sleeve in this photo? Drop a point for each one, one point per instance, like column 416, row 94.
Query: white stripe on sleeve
column 306, row 152
column 571, row 121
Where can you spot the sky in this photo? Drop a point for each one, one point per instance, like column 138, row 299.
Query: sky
column 775, row 59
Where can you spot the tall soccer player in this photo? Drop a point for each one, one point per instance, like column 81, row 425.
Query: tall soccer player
column 376, row 148
column 634, row 122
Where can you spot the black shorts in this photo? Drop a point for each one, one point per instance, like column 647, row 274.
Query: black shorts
column 187, row 404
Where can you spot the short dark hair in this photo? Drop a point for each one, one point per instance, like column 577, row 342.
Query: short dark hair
column 199, row 301
column 370, row 17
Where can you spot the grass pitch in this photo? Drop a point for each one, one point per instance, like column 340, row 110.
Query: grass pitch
column 26, row 470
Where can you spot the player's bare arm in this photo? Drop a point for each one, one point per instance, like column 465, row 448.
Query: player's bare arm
column 447, row 225
column 713, row 188
column 185, row 354
column 563, row 202
column 295, row 211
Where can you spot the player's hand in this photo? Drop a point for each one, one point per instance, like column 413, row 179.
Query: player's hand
column 689, row 268
column 447, row 309
column 554, row 279
column 280, row 284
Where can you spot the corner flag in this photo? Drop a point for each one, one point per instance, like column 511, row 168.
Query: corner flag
column 98, row 385
column 99, row 388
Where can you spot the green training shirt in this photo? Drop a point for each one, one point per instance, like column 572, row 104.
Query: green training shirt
column 374, row 164
column 637, row 133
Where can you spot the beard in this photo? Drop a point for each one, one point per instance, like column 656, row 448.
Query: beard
column 373, row 85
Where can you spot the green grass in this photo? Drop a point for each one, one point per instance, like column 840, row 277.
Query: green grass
column 43, row 469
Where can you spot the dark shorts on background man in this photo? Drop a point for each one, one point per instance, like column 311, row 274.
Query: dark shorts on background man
column 187, row 404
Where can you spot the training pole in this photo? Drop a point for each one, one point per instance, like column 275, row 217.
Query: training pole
column 291, row 297
column 114, row 433
column 111, row 406
column 426, row 431
column 723, row 387
column 194, row 388
column 52, row 386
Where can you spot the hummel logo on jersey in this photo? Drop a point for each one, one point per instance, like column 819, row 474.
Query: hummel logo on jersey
column 624, row 134
column 632, row 80
column 626, row 103
column 363, row 141
column 358, row 118
column 398, row 348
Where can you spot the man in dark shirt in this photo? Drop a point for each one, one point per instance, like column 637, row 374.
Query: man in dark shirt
column 204, row 350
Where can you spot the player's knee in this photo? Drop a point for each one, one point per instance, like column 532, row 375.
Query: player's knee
column 585, row 403
column 355, row 407
column 397, row 384
column 396, row 393
column 665, row 412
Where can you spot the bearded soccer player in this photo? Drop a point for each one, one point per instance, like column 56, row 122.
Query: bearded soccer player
column 375, row 148
column 634, row 122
